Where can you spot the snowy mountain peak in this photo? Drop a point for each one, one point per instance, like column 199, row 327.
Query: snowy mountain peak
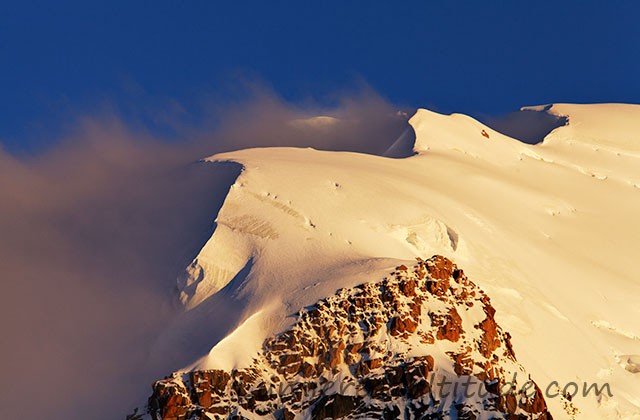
column 549, row 231
column 436, row 131
column 611, row 126
column 422, row 343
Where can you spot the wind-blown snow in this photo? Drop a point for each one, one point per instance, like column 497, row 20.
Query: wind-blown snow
column 550, row 231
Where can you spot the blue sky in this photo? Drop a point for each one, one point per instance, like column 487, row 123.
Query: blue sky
column 61, row 59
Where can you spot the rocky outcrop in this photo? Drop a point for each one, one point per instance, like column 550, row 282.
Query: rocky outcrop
column 422, row 343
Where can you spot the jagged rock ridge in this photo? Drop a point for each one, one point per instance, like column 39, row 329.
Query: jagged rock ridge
column 378, row 350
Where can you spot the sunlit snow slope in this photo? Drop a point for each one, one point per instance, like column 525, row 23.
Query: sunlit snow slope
column 550, row 231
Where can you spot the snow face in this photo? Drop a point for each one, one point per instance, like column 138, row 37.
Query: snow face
column 550, row 231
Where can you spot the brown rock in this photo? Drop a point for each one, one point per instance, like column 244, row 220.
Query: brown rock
column 394, row 375
column 507, row 343
column 366, row 366
column 354, row 348
column 439, row 267
column 289, row 359
column 489, row 372
column 218, row 410
column 307, row 370
column 401, row 325
column 204, row 399
column 489, row 340
column 376, row 387
column 462, row 364
column 215, row 380
column 449, row 325
column 425, row 364
column 438, row 287
column 408, row 287
column 309, row 348
column 261, row 393
column 335, row 406
column 169, row 399
column 426, row 338
column 415, row 308
column 465, row 413
column 335, row 355
column 510, row 403
column 536, row 404
column 417, row 387
column 290, row 368
column 285, row 414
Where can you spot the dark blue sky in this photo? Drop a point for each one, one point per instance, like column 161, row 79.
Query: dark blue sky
column 58, row 59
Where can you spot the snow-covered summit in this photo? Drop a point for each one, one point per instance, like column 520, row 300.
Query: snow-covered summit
column 549, row 231
column 422, row 343
column 601, row 125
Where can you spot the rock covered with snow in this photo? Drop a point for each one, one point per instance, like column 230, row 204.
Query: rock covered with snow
column 422, row 343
